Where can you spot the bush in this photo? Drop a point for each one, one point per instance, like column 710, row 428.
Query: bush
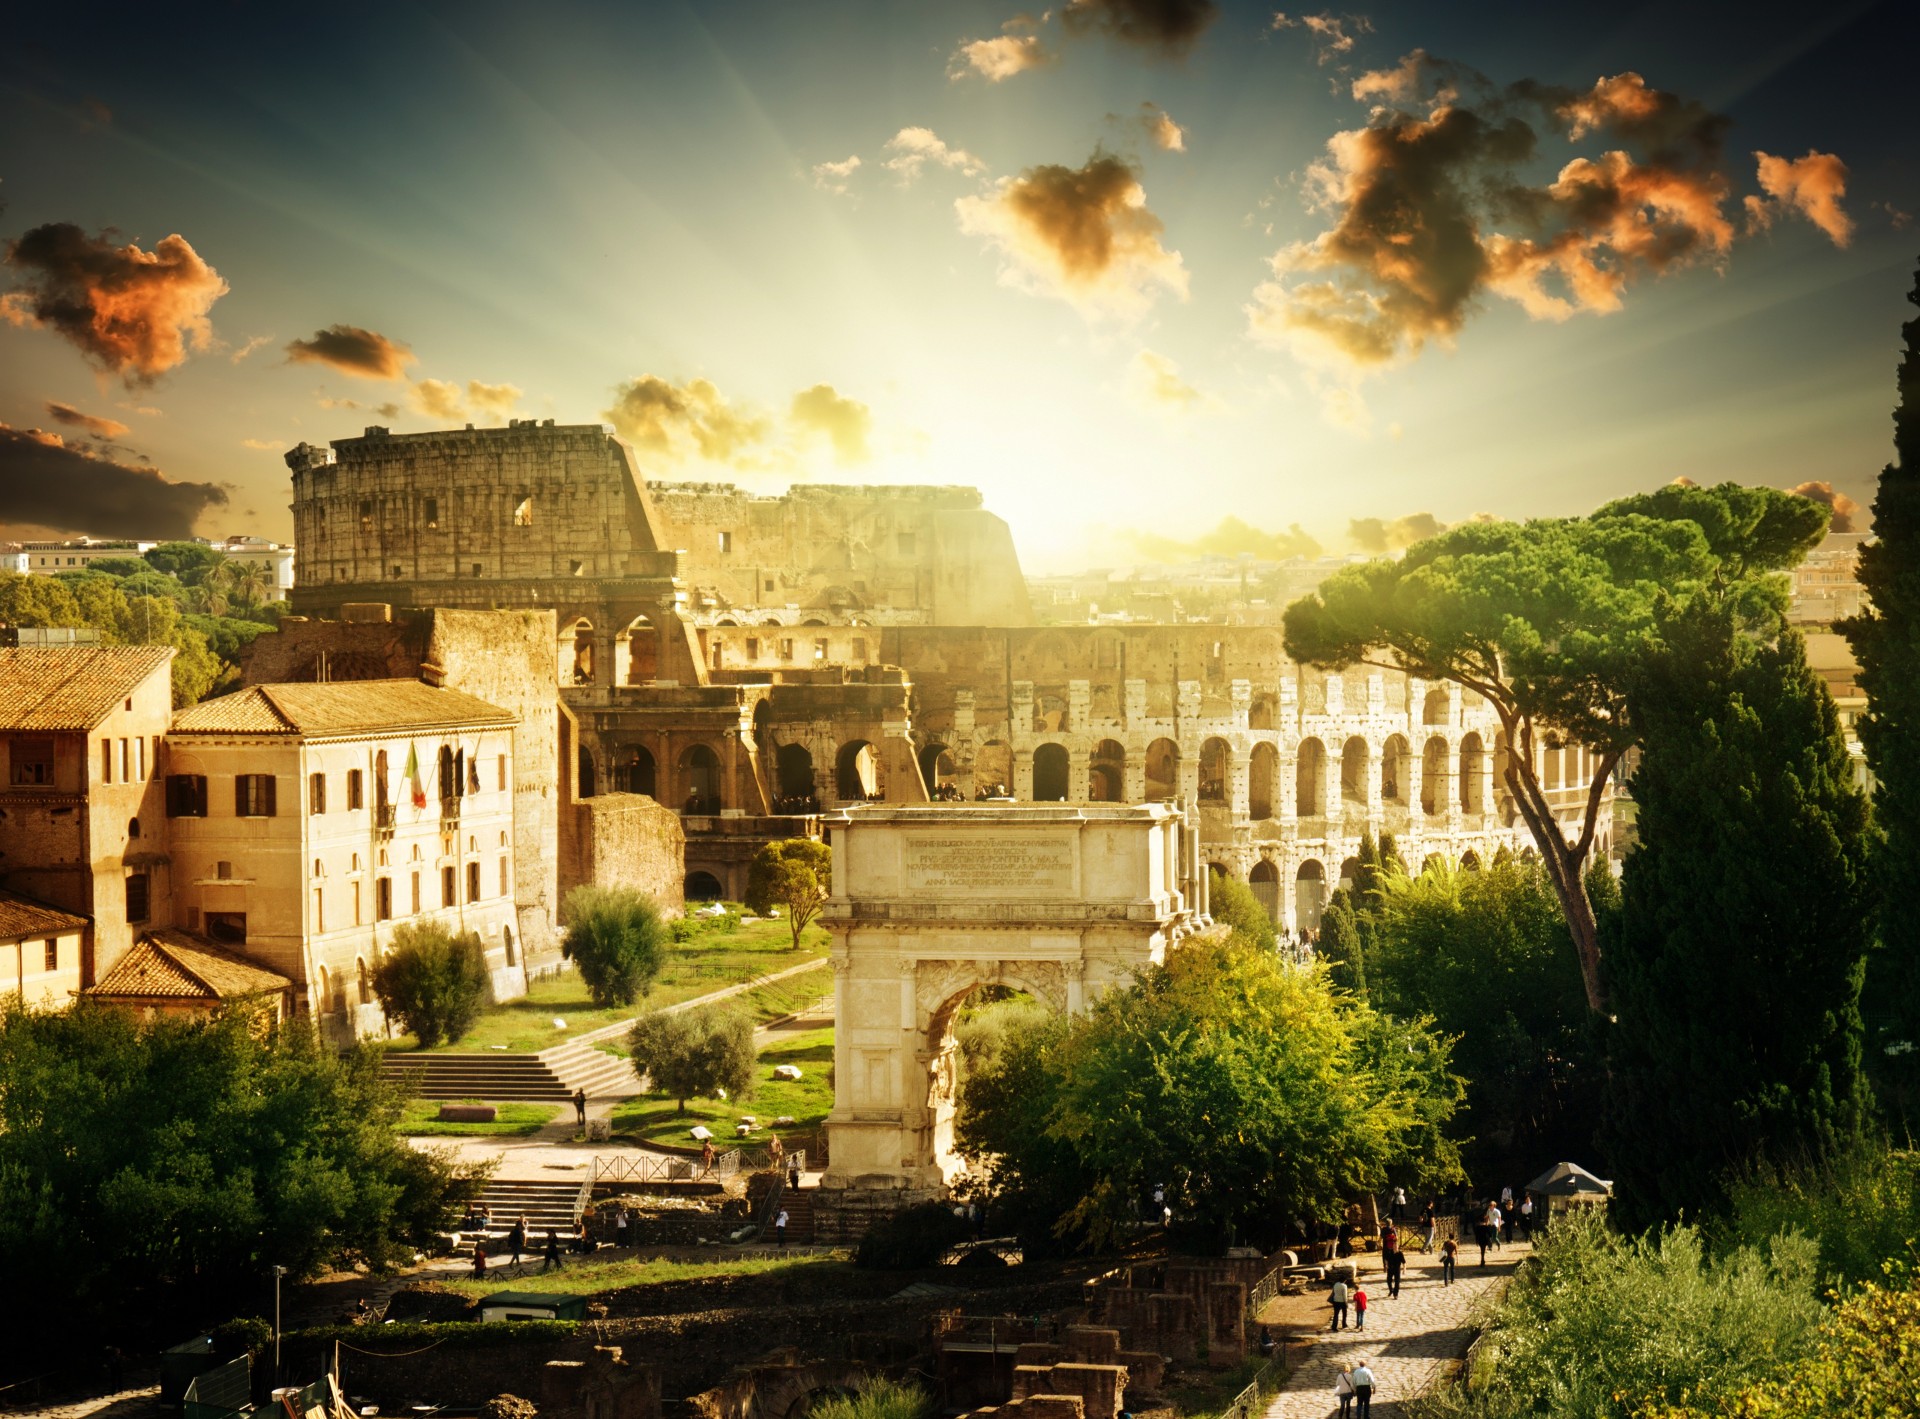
column 911, row 1239
column 1862, row 1210
column 243, row 1335
column 1232, row 903
column 617, row 940
column 795, row 874
column 433, row 982
column 876, row 1399
column 695, row 1054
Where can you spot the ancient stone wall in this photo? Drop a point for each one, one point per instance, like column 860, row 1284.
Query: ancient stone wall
column 629, row 840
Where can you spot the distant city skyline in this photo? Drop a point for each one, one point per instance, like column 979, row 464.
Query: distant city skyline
column 1129, row 269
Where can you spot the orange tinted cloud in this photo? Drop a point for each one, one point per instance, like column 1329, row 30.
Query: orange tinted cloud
column 914, row 148
column 679, row 421
column 1164, row 27
column 365, row 354
column 1811, row 186
column 130, row 312
column 845, row 423
column 1845, row 509
column 1004, row 55
column 48, row 482
column 94, row 424
column 1084, row 234
column 1333, row 35
column 1373, row 534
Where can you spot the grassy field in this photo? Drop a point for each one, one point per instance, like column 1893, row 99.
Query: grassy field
column 808, row 1099
column 717, row 952
column 582, row 1277
column 510, row 1120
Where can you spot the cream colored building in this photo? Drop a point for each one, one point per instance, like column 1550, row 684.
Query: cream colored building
column 39, row 952
column 307, row 821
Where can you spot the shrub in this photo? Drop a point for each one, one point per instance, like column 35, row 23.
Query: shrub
column 433, row 982
column 617, row 941
column 688, row 1054
column 243, row 1335
column 1862, row 1208
column 876, row 1399
column 795, row 874
column 910, row 1239
column 1232, row 903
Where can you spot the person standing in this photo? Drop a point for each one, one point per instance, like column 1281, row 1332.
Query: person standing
column 517, row 1239
column 479, row 1261
column 1362, row 1391
column 551, row 1259
column 620, row 1226
column 1399, row 1204
column 1343, row 1390
column 1395, row 1259
column 774, row 1150
column 1359, row 1307
column 1448, row 1253
column 1432, row 1221
column 580, row 1108
column 1526, row 1218
column 1338, row 1299
column 706, row 1156
column 780, row 1228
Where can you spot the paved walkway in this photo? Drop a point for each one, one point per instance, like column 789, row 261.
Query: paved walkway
column 1411, row 1343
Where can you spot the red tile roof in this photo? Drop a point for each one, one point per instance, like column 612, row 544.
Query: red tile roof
column 342, row 707
column 71, row 687
column 22, row 917
column 178, row 965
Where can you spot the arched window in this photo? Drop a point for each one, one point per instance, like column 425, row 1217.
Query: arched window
column 1353, row 771
column 1163, row 770
column 1050, row 773
column 1434, row 796
column 1264, row 879
column 700, row 772
column 1396, row 768
column 1215, row 757
column 1310, row 779
column 1263, row 775
column 1472, row 760
column 1309, row 895
column 856, row 772
column 794, row 765
column 1107, row 773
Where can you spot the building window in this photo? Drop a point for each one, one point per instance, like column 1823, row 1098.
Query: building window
column 356, row 903
column 186, row 795
column 228, row 928
column 473, row 773
column 502, row 784
column 769, row 584
column 416, row 894
column 449, row 884
column 126, row 761
column 523, row 511
column 366, row 514
column 575, row 567
column 786, row 650
column 726, row 541
column 819, row 652
column 253, row 796
column 319, row 911
column 137, row 896
column 106, row 761
column 32, row 762
column 223, row 871
column 316, row 793
column 396, row 571
column 476, row 569
column 356, row 791
column 53, row 955
column 133, row 829
column 504, row 890
column 383, row 899
column 432, row 509
column 473, row 881
column 140, row 757
column 753, row 648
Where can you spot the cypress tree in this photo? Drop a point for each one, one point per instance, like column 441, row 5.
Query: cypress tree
column 1886, row 642
column 1737, row 952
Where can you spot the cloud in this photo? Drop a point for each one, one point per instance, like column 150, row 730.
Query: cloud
column 835, row 177
column 1811, row 186
column 1155, row 380
column 1372, row 534
column 691, row 419
column 1333, row 35
column 1083, row 234
column 255, row 343
column 1164, row 27
column 130, row 312
column 93, row 424
column 1232, row 538
column 437, row 399
column 1014, row 51
column 48, row 482
column 847, row 423
column 385, row 411
column 914, row 148
column 1161, row 130
column 1897, row 218
column 262, row 445
column 1845, row 509
column 1432, row 211
column 364, row 354
column 497, row 400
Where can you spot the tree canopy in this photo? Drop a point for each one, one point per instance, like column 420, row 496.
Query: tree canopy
column 617, row 940
column 795, row 874
column 694, row 1054
column 434, row 983
column 1546, row 619
column 1232, row 903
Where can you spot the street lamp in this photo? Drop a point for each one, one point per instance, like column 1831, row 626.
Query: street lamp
column 278, row 1272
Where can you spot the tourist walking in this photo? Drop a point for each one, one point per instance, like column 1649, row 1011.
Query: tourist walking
column 1338, row 1299
column 1526, row 1218
column 1343, row 1390
column 1447, row 1256
column 1359, row 1307
column 580, row 1108
column 774, row 1150
column 1362, row 1390
column 1395, row 1259
column 620, row 1227
column 780, row 1228
column 479, row 1261
column 706, row 1156
column 1431, row 1221
column 517, row 1239
column 551, row 1260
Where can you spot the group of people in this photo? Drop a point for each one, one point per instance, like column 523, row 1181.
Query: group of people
column 516, row 1246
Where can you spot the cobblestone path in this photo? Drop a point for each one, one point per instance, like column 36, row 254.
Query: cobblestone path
column 1411, row 1343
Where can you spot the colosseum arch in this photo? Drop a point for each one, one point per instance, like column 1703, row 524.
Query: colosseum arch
column 1433, row 777
column 793, row 766
column 1310, row 779
column 1051, row 773
column 574, row 652
column 1163, row 770
column 1107, row 773
column 1396, row 771
column 637, row 652
column 1263, row 782
column 1264, row 879
column 1216, row 758
column 937, row 768
column 1437, row 708
column 856, row 773
column 700, row 776
column 1473, row 756
column 1309, row 895
column 634, row 771
column 1264, row 711
column 992, row 770
column 1353, row 770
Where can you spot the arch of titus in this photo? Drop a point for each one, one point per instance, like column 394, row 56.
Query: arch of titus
column 931, row 901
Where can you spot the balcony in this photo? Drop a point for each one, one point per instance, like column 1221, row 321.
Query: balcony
column 450, row 811
column 383, row 815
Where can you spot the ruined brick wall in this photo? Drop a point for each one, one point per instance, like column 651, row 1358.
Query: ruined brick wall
column 927, row 554
column 627, row 840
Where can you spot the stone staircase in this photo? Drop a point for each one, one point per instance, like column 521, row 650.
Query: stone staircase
column 495, row 1076
column 799, row 1205
column 543, row 1204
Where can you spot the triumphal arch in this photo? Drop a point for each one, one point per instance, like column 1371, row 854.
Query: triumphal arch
column 932, row 901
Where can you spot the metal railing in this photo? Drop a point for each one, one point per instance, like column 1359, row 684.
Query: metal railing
column 662, row 1167
column 1264, row 1290
column 1247, row 1403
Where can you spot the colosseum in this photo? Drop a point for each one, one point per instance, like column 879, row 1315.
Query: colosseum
column 753, row 661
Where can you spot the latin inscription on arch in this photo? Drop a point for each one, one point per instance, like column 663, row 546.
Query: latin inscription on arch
column 989, row 866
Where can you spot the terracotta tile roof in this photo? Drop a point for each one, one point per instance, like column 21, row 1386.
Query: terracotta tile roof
column 338, row 707
column 178, row 965
column 21, row 917
column 71, row 687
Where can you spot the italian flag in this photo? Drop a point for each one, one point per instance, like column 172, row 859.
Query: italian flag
column 413, row 776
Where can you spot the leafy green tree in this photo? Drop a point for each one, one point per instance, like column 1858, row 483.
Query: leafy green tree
column 617, row 940
column 1232, row 903
column 120, row 567
column 189, row 561
column 795, row 874
column 1886, row 642
column 1545, row 620
column 1740, row 944
column 694, row 1054
column 152, row 1171
column 433, row 982
column 28, row 600
column 1251, row 1088
column 152, row 583
column 1342, row 944
column 1860, row 1206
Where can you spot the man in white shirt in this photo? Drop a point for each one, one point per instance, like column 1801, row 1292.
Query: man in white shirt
column 780, row 1228
column 1339, row 1301
column 1362, row 1390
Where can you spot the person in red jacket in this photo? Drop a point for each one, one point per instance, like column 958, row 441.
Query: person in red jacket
column 1359, row 1307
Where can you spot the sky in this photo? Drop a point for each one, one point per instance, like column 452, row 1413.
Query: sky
column 1130, row 267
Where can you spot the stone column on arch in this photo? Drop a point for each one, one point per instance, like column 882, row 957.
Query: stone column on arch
column 1023, row 775
column 1239, row 775
column 1134, row 774
column 1079, row 770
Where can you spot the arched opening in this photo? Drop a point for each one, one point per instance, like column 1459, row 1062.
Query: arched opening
column 702, row 887
column 1396, row 765
column 1264, row 712
column 1349, row 871
column 992, row 770
column 1433, row 862
column 1310, row 779
column 633, row 771
column 1434, row 710
column 1353, row 771
column 1050, row 773
column 576, row 652
column 1163, row 770
column 586, row 772
column 793, row 767
column 1107, row 773
column 1221, row 869
column 1214, row 758
column 1309, row 895
column 952, row 1043
column 1433, row 777
column 639, row 647
column 1264, row 879
column 700, row 772
column 1472, row 761
column 1263, row 773
column 936, row 770
column 856, row 775
column 1469, row 861
column 1049, row 713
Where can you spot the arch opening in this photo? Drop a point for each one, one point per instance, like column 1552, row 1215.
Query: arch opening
column 1309, row 895
column 794, row 789
column 702, row 887
column 1310, row 779
column 700, row 772
column 1472, row 761
column 1353, row 771
column 1396, row 763
column 1163, row 770
column 856, row 772
column 1050, row 773
column 1263, row 773
column 1107, row 773
column 1215, row 757
column 1264, row 879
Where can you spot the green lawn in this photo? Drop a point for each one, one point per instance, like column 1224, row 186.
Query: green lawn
column 808, row 1099
column 581, row 1277
column 765, row 1002
column 717, row 952
column 510, row 1120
